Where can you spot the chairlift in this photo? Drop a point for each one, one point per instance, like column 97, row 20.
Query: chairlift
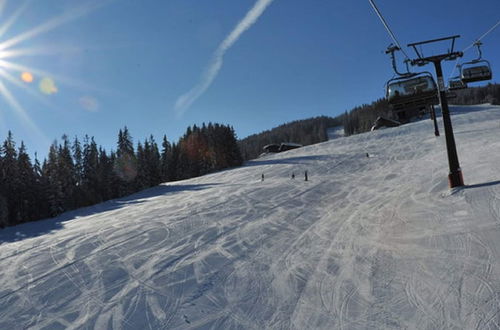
column 412, row 90
column 476, row 70
column 456, row 83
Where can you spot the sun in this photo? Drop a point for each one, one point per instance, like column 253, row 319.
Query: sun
column 35, row 81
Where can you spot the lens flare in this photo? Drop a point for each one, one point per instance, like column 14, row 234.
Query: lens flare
column 126, row 167
column 27, row 77
column 89, row 103
column 47, row 86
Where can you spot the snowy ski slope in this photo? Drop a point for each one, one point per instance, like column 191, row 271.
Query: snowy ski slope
column 373, row 242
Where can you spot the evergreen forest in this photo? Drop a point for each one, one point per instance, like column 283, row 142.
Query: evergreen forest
column 80, row 173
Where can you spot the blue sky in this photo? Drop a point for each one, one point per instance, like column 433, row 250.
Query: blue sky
column 127, row 62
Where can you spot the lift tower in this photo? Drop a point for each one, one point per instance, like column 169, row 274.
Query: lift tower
column 455, row 178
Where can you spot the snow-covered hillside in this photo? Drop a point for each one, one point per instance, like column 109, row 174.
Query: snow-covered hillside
column 374, row 242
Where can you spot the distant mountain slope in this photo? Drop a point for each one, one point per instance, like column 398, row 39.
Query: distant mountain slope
column 305, row 132
column 361, row 118
column 357, row 120
column 375, row 242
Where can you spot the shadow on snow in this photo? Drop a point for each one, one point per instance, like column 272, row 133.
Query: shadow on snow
column 45, row 226
column 291, row 160
column 480, row 185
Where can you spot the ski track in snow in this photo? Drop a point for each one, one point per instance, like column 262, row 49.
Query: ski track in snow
column 374, row 242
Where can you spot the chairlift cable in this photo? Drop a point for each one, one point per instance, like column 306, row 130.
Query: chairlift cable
column 454, row 68
column 481, row 37
column 391, row 34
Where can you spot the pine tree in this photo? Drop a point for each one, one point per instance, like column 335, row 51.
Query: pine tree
column 154, row 161
column 78, row 170
column 105, row 176
column 125, row 163
column 125, row 142
column 166, row 156
column 9, row 177
column 67, row 174
column 142, row 168
column 174, row 164
column 55, row 194
column 27, row 186
column 78, row 161
column 41, row 203
column 90, row 164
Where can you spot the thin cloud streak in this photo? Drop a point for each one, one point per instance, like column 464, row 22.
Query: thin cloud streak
column 187, row 99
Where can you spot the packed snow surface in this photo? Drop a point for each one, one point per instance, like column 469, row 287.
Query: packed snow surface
column 373, row 240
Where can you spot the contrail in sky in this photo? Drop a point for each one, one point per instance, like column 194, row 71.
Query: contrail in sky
column 184, row 101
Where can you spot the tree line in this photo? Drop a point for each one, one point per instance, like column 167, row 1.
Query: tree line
column 80, row 173
column 305, row 132
column 477, row 95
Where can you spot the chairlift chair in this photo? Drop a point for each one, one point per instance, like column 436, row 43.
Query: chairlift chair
column 477, row 70
column 456, row 83
column 412, row 90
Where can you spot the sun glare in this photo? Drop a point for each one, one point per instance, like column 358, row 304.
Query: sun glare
column 24, row 76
